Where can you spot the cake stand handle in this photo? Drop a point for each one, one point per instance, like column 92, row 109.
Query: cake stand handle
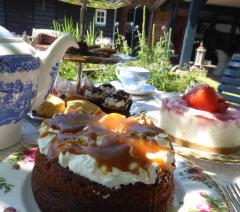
column 79, row 77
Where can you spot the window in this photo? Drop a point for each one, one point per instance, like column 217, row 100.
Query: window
column 100, row 17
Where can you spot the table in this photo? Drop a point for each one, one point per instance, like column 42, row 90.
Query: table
column 220, row 172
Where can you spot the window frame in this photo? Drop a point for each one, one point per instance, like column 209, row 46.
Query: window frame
column 100, row 23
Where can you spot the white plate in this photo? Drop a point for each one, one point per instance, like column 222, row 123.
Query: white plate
column 35, row 117
column 123, row 57
column 194, row 189
column 146, row 90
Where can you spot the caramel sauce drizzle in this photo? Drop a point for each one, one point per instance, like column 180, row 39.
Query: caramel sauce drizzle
column 70, row 123
column 113, row 140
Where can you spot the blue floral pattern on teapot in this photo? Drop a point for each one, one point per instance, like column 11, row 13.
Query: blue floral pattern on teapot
column 53, row 75
column 16, row 94
column 18, row 63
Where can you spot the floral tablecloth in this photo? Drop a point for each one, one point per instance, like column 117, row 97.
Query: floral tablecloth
column 195, row 189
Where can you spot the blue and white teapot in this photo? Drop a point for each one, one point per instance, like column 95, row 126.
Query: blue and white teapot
column 26, row 78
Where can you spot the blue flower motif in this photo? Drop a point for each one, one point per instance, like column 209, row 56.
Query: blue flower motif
column 53, row 74
column 15, row 99
column 18, row 63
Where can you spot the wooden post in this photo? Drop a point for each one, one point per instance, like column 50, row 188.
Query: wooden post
column 123, row 20
column 190, row 32
column 82, row 20
column 114, row 26
column 175, row 7
column 150, row 28
column 134, row 20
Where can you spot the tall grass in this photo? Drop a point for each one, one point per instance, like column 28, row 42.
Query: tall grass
column 91, row 35
column 142, row 47
column 66, row 25
column 120, row 43
column 67, row 69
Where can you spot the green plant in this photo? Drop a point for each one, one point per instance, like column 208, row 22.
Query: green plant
column 144, row 53
column 66, row 25
column 104, row 74
column 167, row 81
column 67, row 69
column 91, row 36
column 155, row 57
column 121, row 44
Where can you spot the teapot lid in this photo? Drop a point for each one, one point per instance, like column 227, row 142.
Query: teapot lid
column 4, row 33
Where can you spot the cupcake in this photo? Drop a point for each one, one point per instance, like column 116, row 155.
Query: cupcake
column 107, row 88
column 95, row 95
column 119, row 101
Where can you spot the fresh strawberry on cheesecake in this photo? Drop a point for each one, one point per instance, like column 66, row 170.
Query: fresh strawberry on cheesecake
column 201, row 119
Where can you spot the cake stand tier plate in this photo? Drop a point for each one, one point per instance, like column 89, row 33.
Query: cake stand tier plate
column 222, row 158
column 194, row 190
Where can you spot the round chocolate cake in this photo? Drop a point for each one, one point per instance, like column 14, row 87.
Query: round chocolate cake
column 102, row 163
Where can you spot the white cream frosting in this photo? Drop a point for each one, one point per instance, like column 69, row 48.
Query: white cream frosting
column 200, row 127
column 113, row 179
column 107, row 90
column 90, row 94
column 86, row 166
column 116, row 104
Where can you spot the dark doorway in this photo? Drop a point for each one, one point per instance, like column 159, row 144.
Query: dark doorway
column 218, row 28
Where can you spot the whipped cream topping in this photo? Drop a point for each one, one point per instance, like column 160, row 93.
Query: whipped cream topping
column 95, row 93
column 119, row 99
column 107, row 88
column 110, row 101
column 88, row 166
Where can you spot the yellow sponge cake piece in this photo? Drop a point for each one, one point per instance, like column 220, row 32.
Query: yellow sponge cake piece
column 81, row 106
column 51, row 106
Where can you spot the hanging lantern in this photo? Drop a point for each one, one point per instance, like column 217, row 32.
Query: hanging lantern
column 200, row 55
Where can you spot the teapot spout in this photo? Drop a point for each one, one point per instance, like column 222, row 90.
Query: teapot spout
column 49, row 65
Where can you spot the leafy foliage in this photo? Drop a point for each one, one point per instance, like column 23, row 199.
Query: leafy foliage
column 155, row 57
column 121, row 44
column 4, row 185
column 91, row 33
column 67, row 26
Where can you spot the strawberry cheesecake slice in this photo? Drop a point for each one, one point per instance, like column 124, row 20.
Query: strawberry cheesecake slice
column 202, row 120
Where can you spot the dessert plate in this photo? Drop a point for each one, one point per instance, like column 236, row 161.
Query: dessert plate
column 146, row 90
column 190, row 183
column 188, row 152
column 32, row 115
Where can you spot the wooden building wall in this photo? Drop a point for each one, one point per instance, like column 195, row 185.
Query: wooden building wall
column 108, row 29
column 2, row 12
column 67, row 10
column 44, row 13
column 19, row 15
column 23, row 15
